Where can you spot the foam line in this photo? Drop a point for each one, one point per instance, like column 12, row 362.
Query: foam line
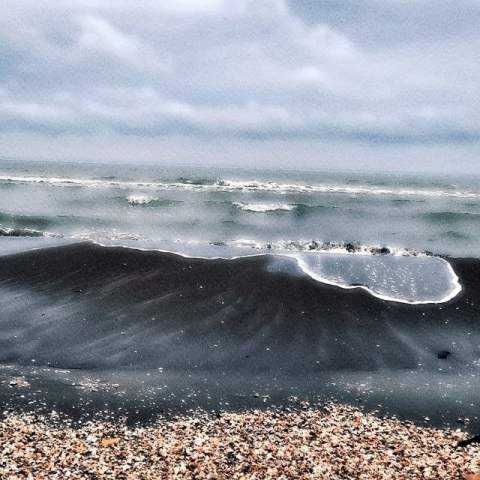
column 456, row 286
column 239, row 186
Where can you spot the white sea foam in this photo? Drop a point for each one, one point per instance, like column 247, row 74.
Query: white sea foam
column 26, row 232
column 451, row 284
column 141, row 199
column 105, row 236
column 325, row 247
column 403, row 284
column 241, row 186
column 264, row 207
column 21, row 232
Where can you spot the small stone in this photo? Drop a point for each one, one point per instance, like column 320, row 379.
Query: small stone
column 108, row 442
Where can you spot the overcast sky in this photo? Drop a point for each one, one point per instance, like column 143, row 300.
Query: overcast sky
column 381, row 84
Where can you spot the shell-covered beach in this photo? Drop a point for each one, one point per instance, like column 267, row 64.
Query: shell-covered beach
column 334, row 442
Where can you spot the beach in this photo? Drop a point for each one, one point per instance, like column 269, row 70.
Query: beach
column 239, row 239
column 126, row 352
column 332, row 442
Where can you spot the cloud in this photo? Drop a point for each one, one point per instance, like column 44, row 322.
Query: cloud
column 371, row 72
column 99, row 37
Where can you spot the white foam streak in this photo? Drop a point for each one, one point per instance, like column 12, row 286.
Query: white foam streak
column 241, row 186
column 455, row 289
column 264, row 207
column 141, row 199
column 455, row 286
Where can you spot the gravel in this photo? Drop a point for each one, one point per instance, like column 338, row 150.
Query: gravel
column 333, row 442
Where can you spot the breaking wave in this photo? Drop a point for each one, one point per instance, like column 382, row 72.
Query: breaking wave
column 386, row 273
column 264, row 207
column 239, row 186
column 20, row 232
column 148, row 200
column 327, row 247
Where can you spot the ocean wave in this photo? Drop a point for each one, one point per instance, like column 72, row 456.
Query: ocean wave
column 326, row 247
column 148, row 200
column 299, row 209
column 101, row 236
column 198, row 181
column 20, row 232
column 241, row 186
column 264, row 207
column 141, row 199
column 228, row 248
column 28, row 221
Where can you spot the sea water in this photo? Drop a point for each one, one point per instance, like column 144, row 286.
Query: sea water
column 380, row 232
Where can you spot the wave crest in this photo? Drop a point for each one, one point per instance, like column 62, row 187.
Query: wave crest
column 20, row 232
column 226, row 185
column 264, row 207
column 149, row 200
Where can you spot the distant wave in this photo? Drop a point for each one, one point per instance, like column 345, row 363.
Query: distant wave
column 298, row 208
column 264, row 207
column 148, row 200
column 240, row 186
column 141, row 199
column 198, row 181
column 20, row 232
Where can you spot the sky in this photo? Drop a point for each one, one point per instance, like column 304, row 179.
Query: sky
column 365, row 84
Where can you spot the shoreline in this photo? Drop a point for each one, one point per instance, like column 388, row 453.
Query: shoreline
column 170, row 333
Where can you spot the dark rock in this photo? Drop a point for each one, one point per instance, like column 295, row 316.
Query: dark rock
column 350, row 247
column 443, row 354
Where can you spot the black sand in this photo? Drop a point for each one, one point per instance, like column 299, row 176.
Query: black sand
column 148, row 332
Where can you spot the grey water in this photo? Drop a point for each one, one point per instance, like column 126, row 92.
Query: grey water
column 321, row 219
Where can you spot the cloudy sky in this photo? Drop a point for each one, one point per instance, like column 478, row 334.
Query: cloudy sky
column 347, row 83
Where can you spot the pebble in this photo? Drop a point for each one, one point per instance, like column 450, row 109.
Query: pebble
column 333, row 442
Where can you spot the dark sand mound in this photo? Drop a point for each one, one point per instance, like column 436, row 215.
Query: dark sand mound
column 89, row 306
column 224, row 330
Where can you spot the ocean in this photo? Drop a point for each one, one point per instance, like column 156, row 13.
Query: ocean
column 142, row 289
column 350, row 229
